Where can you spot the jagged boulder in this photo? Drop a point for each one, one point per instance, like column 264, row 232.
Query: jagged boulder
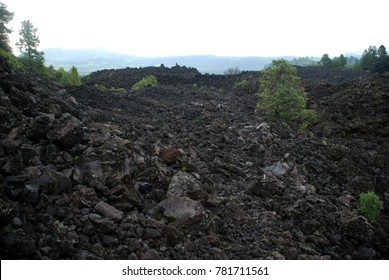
column 67, row 131
column 184, row 184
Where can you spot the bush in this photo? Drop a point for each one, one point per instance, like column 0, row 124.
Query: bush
column 148, row 81
column 282, row 98
column 370, row 205
column 13, row 61
column 104, row 88
column 242, row 87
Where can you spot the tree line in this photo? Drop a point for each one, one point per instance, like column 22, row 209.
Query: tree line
column 372, row 59
column 30, row 57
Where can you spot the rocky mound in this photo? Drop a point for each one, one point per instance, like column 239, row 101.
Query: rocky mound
column 178, row 172
column 174, row 76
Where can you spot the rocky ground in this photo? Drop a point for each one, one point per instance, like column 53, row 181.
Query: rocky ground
column 189, row 169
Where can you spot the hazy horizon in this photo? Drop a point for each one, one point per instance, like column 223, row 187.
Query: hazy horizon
column 152, row 28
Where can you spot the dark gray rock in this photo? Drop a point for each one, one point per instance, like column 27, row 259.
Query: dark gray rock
column 267, row 186
column 109, row 211
column 94, row 170
column 182, row 208
column 170, row 155
column 39, row 127
column 151, row 254
column 30, row 193
column 151, row 233
column 366, row 253
column 67, row 132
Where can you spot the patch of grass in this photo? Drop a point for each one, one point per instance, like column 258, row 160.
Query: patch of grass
column 148, row 81
column 370, row 205
column 242, row 86
column 13, row 61
column 104, row 88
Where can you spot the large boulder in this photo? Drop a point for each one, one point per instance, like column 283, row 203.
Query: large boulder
column 181, row 209
column 184, row 184
column 267, row 186
column 67, row 132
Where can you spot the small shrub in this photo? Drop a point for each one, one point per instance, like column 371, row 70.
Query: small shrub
column 370, row 205
column 241, row 86
column 148, row 81
column 104, row 88
column 13, row 61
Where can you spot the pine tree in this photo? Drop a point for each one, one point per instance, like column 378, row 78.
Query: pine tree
column 282, row 97
column 382, row 52
column 75, row 78
column 5, row 18
column 369, row 58
column 28, row 46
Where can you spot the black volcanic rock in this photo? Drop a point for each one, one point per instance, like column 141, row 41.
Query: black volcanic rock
column 189, row 169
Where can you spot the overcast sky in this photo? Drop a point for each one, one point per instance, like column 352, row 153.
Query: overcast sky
column 225, row 28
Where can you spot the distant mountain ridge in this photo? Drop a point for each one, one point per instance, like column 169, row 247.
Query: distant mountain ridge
column 90, row 60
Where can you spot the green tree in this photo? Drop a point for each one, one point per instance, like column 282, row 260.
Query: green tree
column 282, row 97
column 382, row 62
column 303, row 61
column 75, row 78
column 70, row 77
column 381, row 52
column 28, row 46
column 352, row 60
column 5, row 18
column 339, row 62
column 369, row 58
column 326, row 61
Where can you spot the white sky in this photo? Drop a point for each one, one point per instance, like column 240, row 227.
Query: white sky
column 225, row 28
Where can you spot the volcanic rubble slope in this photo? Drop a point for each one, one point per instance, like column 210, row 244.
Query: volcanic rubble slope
column 180, row 172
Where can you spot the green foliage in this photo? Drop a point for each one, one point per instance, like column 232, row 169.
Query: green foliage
column 13, row 61
column 148, row 81
column 242, row 86
column 5, row 18
column 381, row 52
column 171, row 219
column 303, row 61
column 375, row 60
column 325, row 60
column 368, row 58
column 370, row 205
column 64, row 77
column 36, row 62
column 282, row 98
column 336, row 62
column 28, row 46
column 104, row 88
column 339, row 62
